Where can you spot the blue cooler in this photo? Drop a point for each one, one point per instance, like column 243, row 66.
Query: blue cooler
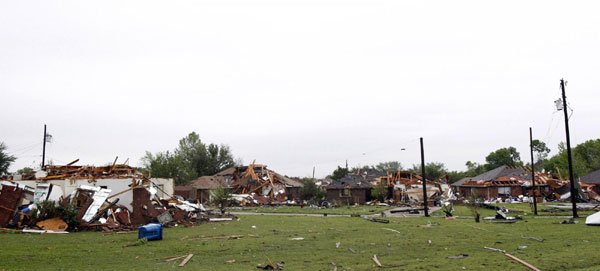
column 152, row 231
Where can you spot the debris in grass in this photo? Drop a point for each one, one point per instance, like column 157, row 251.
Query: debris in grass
column 522, row 262
column 139, row 242
column 334, row 266
column 521, row 247
column 230, row 261
column 352, row 250
column 495, row 249
column 337, row 245
column 533, row 238
column 569, row 221
column 461, row 256
column 392, row 230
column 297, row 239
column 376, row 261
column 270, row 265
column 373, row 219
column 186, row 260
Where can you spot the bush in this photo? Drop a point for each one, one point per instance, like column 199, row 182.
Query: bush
column 220, row 198
column 380, row 192
column 474, row 204
column 310, row 192
column 47, row 210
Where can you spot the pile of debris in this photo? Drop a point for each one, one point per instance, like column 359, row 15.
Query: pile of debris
column 256, row 185
column 90, row 208
column 408, row 187
column 40, row 203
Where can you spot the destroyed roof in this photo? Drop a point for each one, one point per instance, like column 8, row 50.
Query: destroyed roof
column 291, row 182
column 350, row 181
column 224, row 172
column 461, row 181
column 209, row 182
column 501, row 173
column 372, row 174
column 591, row 178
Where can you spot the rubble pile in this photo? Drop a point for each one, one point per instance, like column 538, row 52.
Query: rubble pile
column 256, row 185
column 45, row 209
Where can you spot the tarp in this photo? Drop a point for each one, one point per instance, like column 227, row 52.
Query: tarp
column 593, row 219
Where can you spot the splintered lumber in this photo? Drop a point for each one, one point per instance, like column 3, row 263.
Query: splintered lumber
column 113, row 165
column 522, row 262
column 376, row 261
column 187, row 259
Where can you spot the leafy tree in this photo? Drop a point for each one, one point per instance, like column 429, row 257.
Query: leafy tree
column 433, row 170
column 25, row 170
column 309, row 191
column 190, row 159
column 390, row 166
column 339, row 173
column 380, row 192
column 505, row 156
column 541, row 151
column 454, row 176
column 474, row 169
column 220, row 198
column 5, row 159
column 586, row 158
column 169, row 165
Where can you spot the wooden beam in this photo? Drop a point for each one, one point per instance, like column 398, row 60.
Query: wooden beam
column 187, row 259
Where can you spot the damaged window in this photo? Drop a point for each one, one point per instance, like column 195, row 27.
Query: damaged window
column 345, row 192
column 504, row 191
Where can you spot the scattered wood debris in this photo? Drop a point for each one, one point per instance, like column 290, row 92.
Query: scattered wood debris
column 186, row 260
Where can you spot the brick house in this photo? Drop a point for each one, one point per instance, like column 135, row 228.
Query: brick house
column 352, row 189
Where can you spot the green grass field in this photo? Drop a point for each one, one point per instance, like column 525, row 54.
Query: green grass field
column 344, row 210
column 566, row 247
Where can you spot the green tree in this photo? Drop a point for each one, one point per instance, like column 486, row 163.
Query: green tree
column 454, row 176
column 505, row 156
column 206, row 160
column 541, row 151
column 474, row 169
column 309, row 191
column 390, row 166
column 25, row 170
column 586, row 158
column 433, row 170
column 380, row 191
column 168, row 165
column 220, row 198
column 339, row 173
column 5, row 159
column 190, row 159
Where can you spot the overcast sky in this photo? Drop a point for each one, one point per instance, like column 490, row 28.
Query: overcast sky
column 295, row 84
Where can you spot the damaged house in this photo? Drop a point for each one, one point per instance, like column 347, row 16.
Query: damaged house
column 351, row 189
column 253, row 184
column 507, row 182
column 108, row 198
column 501, row 182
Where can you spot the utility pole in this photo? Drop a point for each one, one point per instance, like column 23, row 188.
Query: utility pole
column 425, row 206
column 44, row 149
column 313, row 173
column 532, row 172
column 573, row 190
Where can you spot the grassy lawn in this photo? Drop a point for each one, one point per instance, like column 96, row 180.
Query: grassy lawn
column 525, row 208
column 572, row 247
column 344, row 210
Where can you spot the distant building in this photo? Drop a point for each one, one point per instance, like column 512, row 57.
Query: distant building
column 352, row 189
